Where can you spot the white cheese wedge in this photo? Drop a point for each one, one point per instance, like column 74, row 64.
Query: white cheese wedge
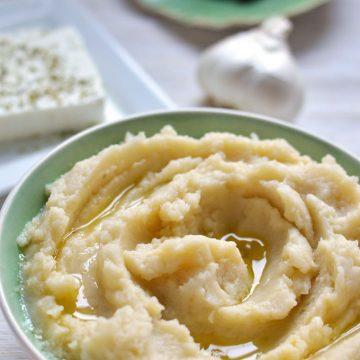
column 48, row 83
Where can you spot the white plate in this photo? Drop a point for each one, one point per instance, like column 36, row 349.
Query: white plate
column 129, row 89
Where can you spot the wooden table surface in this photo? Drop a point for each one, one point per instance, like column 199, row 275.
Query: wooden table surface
column 326, row 43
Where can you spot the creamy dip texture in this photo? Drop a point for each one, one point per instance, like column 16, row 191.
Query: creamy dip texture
column 223, row 247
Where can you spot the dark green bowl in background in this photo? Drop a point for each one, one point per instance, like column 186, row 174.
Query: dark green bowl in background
column 28, row 197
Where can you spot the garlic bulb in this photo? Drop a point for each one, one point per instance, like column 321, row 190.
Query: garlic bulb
column 254, row 71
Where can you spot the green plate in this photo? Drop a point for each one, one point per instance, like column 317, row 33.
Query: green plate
column 226, row 13
column 27, row 199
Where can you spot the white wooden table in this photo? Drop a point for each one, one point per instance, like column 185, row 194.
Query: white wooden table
column 326, row 43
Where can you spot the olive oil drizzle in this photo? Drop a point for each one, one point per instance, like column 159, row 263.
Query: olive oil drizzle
column 354, row 330
column 83, row 310
column 247, row 351
column 102, row 214
column 253, row 252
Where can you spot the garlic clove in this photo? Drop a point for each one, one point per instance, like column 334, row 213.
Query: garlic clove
column 254, row 71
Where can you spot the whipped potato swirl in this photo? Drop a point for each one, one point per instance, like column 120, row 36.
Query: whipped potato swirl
column 171, row 247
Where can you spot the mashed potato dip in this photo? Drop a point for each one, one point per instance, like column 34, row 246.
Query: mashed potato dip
column 224, row 247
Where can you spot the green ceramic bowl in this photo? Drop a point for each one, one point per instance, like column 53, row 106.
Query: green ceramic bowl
column 28, row 197
column 219, row 14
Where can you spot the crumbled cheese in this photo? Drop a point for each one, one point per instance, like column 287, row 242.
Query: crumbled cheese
column 47, row 83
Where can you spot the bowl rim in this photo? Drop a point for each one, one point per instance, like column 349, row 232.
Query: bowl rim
column 207, row 24
column 27, row 345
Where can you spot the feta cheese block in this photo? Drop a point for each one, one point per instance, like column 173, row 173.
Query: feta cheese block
column 48, row 84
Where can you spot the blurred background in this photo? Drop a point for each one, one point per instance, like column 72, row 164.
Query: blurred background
column 325, row 43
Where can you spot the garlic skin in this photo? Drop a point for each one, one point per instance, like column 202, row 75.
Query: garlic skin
column 254, row 71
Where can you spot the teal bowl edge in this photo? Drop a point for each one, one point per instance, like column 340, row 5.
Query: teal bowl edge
column 252, row 14
column 28, row 198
